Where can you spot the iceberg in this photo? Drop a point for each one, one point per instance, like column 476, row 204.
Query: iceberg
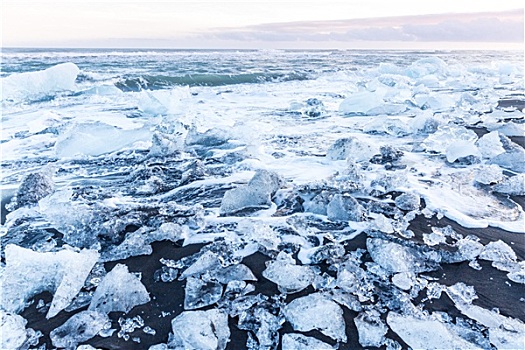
column 200, row 330
column 79, row 328
column 28, row 273
column 36, row 85
column 316, row 311
column 120, row 290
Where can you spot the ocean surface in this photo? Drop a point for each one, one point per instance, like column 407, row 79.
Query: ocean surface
column 262, row 199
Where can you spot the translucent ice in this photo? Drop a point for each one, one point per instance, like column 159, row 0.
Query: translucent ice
column 296, row 341
column 512, row 159
column 264, row 324
column 461, row 149
column 97, row 138
column 490, row 145
column 238, row 272
column 79, row 328
column 255, row 195
column 12, row 330
column 34, row 187
column 344, row 208
column 488, row 174
column 371, row 329
column 200, row 330
column 119, row 291
column 361, row 103
column 289, row 277
column 28, row 273
column 426, row 333
column 206, row 262
column 35, row 85
column 315, row 311
column 498, row 251
column 350, row 148
column 408, row 201
column 210, row 138
column 448, row 135
column 395, row 257
column 199, row 293
column 514, row 185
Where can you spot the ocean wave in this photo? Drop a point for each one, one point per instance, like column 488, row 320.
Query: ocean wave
column 156, row 82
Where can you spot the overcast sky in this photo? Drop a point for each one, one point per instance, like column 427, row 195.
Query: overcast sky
column 255, row 24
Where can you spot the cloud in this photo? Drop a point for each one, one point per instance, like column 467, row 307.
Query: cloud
column 503, row 27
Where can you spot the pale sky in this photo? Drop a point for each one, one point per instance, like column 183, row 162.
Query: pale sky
column 255, row 24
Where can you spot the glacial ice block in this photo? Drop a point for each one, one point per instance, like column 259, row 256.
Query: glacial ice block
column 203, row 330
column 79, row 328
column 344, row 208
column 256, row 194
column 426, row 333
column 12, row 330
column 296, row 341
column 28, row 273
column 35, row 85
column 120, row 290
column 94, row 139
column 199, row 293
column 34, row 187
column 350, row 148
column 315, row 311
column 289, row 277
column 371, row 329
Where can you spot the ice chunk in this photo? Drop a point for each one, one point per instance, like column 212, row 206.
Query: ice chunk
column 264, row 324
column 166, row 144
column 362, row 103
column 344, row 208
column 504, row 339
column 490, row 145
column 426, row 333
column 371, row 329
column 461, row 149
column 469, row 248
column 512, row 159
column 498, row 251
column 394, row 257
column 289, row 277
column 518, row 273
column 425, row 123
column 210, row 138
column 200, row 330
column 34, row 187
column 93, row 139
column 514, row 185
column 350, row 148
column 12, row 330
column 238, row 272
column 36, row 85
column 296, row 341
column 206, row 262
column 311, row 108
column 199, row 293
column 79, row 328
column 255, row 195
column 28, row 273
column 316, row 311
column 404, row 280
column 390, row 126
column 408, row 201
column 448, row 135
column 488, row 174
column 119, row 291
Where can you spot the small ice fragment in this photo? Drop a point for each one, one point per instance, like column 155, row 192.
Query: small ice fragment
column 461, row 149
column 350, row 148
column 488, row 174
column 206, row 262
column 469, row 248
column 256, row 194
column 210, row 138
column 79, row 328
column 514, row 185
column 371, row 329
column 202, row 330
column 448, row 135
column 12, row 330
column 460, row 292
column 426, row 333
column 344, row 208
column 120, row 290
column 199, row 293
column 34, row 187
column 238, row 272
column 490, row 145
column 315, row 311
column 404, row 280
column 498, row 251
column 296, row 341
column 434, row 238
column 264, row 324
column 518, row 274
column 408, row 201
column 28, row 273
column 289, row 277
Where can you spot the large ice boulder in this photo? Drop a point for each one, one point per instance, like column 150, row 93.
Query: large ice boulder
column 36, row 85
column 28, row 273
column 256, row 194
column 203, row 330
column 120, row 290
